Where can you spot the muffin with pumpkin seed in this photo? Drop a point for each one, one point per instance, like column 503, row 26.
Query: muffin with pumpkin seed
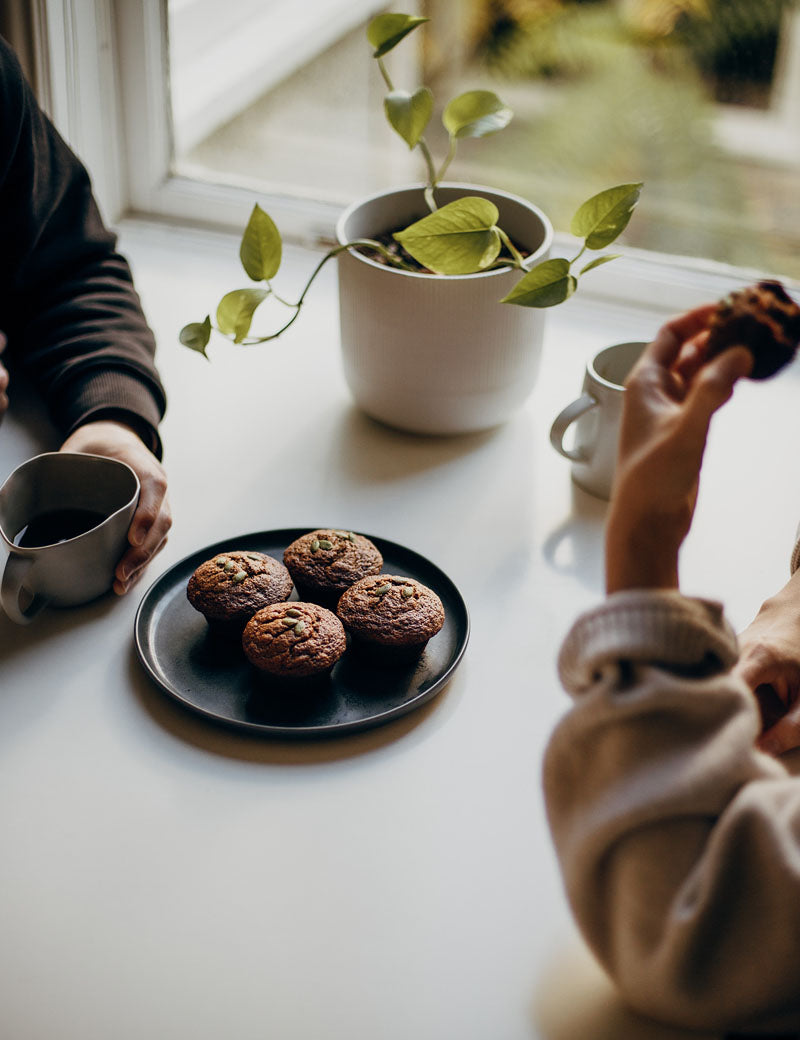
column 389, row 617
column 230, row 587
column 325, row 562
column 294, row 645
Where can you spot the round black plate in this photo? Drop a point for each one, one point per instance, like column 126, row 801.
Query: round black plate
column 213, row 677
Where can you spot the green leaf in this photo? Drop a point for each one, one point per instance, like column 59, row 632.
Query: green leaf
column 547, row 284
column 260, row 251
column 476, row 114
column 235, row 311
column 459, row 238
column 196, row 335
column 598, row 260
column 603, row 217
column 386, row 30
column 409, row 114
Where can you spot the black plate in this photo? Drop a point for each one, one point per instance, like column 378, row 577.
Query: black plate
column 214, row 678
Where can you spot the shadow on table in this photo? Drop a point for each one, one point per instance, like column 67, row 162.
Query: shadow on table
column 575, row 999
column 228, row 742
column 51, row 625
column 575, row 547
column 386, row 455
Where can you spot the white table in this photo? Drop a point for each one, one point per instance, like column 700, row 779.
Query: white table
column 164, row 878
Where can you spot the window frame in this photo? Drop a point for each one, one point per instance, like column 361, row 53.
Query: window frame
column 152, row 189
column 106, row 82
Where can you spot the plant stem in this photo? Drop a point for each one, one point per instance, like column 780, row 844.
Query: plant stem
column 274, row 335
column 451, row 154
column 275, row 296
column 422, row 144
column 386, row 78
column 517, row 258
column 370, row 243
column 578, row 255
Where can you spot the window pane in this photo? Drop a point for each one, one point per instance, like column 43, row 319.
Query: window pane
column 700, row 99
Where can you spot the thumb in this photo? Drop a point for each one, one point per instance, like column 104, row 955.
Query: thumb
column 783, row 736
column 755, row 668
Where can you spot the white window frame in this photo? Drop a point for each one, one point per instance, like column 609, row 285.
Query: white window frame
column 107, row 90
column 75, row 59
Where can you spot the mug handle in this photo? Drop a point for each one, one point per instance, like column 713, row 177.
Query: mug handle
column 562, row 423
column 13, row 578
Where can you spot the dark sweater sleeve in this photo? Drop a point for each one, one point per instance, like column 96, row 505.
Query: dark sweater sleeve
column 67, row 301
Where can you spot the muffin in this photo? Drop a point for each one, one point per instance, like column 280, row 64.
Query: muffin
column 294, row 643
column 324, row 563
column 389, row 617
column 229, row 588
column 763, row 318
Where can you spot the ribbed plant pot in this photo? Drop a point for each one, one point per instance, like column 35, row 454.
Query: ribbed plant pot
column 437, row 354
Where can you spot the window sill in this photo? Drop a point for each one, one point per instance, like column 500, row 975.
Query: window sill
column 639, row 281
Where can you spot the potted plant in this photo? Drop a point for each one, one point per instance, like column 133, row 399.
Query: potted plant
column 441, row 285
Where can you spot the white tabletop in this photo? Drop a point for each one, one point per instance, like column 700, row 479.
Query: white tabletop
column 162, row 877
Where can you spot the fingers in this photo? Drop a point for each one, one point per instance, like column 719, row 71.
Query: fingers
column 666, row 347
column 133, row 565
column 713, row 386
column 770, row 705
column 152, row 511
column 148, row 531
column 152, row 520
column 784, row 735
column 3, row 387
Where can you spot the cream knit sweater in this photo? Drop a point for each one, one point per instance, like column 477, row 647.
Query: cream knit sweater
column 679, row 842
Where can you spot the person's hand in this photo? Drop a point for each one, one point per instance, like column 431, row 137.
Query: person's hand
column 769, row 662
column 152, row 519
column 670, row 397
column 3, row 381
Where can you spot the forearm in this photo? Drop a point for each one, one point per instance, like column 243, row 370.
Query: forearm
column 640, row 552
column 677, row 839
column 76, row 326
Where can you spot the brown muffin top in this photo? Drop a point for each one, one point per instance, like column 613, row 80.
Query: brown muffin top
column 761, row 317
column 293, row 640
column 391, row 610
column 233, row 585
column 331, row 560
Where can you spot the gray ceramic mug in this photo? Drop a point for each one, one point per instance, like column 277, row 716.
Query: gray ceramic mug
column 596, row 415
column 64, row 520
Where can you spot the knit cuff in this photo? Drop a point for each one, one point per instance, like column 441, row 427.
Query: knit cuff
column 115, row 395
column 648, row 626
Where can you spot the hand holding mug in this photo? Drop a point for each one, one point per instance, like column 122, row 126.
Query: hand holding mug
column 64, row 521
column 152, row 519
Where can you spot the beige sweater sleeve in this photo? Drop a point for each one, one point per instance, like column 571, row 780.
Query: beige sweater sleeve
column 678, row 841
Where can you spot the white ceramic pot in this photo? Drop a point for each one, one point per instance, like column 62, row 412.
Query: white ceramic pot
column 437, row 354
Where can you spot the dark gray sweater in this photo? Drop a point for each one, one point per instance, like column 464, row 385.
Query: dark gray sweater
column 67, row 302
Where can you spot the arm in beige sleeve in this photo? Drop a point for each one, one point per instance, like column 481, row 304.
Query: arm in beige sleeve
column 679, row 842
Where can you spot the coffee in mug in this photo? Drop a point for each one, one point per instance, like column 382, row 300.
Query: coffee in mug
column 64, row 520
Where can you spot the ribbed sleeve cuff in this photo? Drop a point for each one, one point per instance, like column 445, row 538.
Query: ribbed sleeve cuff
column 116, row 395
column 645, row 625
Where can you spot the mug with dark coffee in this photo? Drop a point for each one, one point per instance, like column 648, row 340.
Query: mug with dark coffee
column 64, row 520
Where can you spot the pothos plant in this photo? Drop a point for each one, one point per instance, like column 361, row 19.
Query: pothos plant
column 462, row 237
